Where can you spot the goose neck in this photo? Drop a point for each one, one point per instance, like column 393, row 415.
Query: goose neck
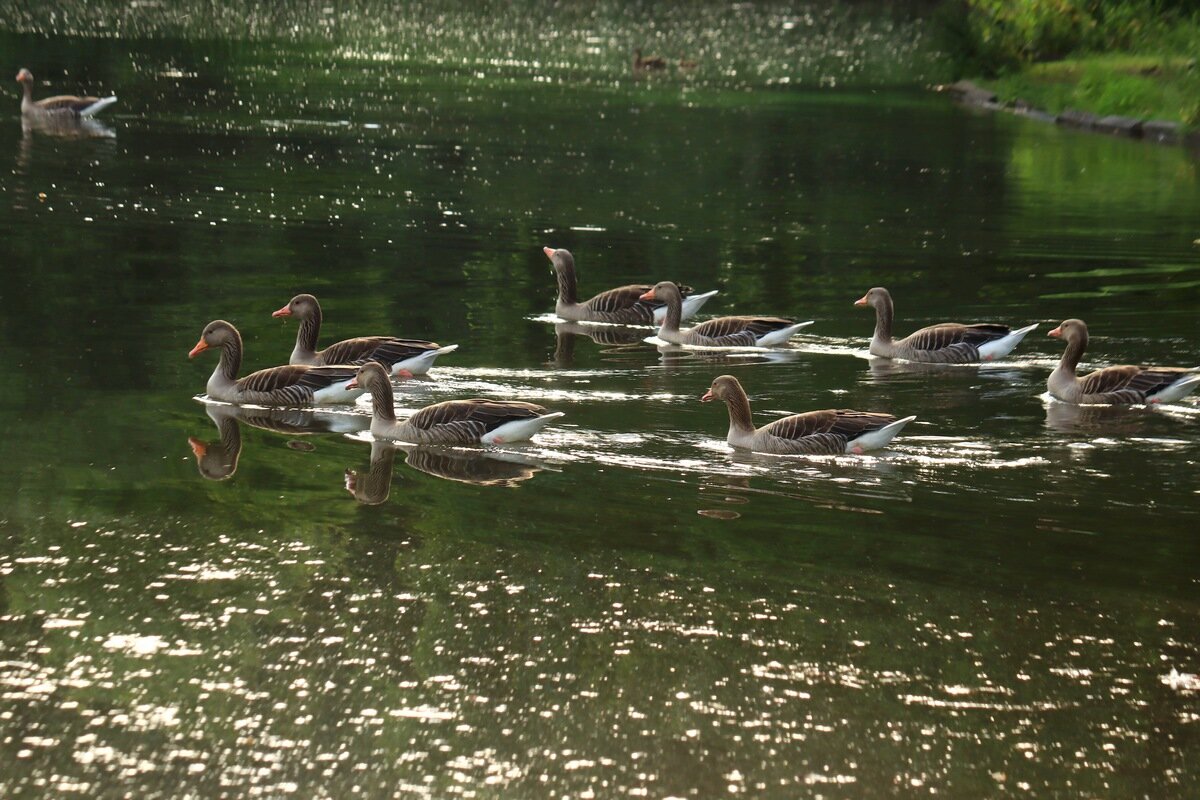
column 382, row 407
column 884, row 312
column 741, row 421
column 306, row 334
column 674, row 316
column 567, row 289
column 1076, row 346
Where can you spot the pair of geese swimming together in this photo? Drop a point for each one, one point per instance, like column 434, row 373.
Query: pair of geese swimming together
column 343, row 371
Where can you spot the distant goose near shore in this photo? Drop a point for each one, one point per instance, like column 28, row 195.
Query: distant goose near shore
column 275, row 386
column 1121, row 384
column 827, row 432
column 722, row 331
column 624, row 305
column 647, row 63
column 945, row 343
column 475, row 421
column 62, row 105
column 411, row 355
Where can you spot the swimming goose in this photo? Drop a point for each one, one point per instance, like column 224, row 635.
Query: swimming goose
column 623, row 305
column 828, row 432
column 277, row 386
column 647, row 63
column 722, row 331
column 413, row 355
column 947, row 343
column 1123, row 384
column 475, row 421
column 62, row 105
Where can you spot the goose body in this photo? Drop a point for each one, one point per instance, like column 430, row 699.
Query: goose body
column 454, row 422
column 1113, row 385
column 62, row 105
column 623, row 305
column 826, row 432
column 292, row 385
column 722, row 331
column 412, row 355
column 946, row 343
column 647, row 63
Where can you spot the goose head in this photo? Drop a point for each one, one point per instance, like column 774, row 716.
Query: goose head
column 1071, row 331
column 217, row 333
column 664, row 292
column 724, row 387
column 302, row 306
column 373, row 374
column 560, row 259
column 874, row 298
column 24, row 76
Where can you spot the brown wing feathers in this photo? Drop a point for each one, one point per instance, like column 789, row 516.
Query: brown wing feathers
column 478, row 413
column 939, row 337
column 66, row 101
column 385, row 349
column 1137, row 381
column 843, row 423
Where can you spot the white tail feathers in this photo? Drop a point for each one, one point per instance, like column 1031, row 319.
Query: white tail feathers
column 98, row 106
column 877, row 438
column 782, row 335
column 1177, row 390
column 420, row 364
column 519, row 430
column 1004, row 345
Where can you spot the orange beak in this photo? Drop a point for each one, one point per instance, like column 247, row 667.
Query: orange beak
column 404, row 374
column 1056, row 333
column 707, row 396
column 549, row 251
column 283, row 312
column 200, row 347
column 648, row 296
column 862, row 301
column 353, row 384
column 199, row 448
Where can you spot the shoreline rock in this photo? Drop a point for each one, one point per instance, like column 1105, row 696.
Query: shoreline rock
column 1154, row 130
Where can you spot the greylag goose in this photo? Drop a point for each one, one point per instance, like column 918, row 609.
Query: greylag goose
column 276, row 386
column 62, row 105
column 411, row 355
column 475, row 421
column 828, row 432
column 722, row 331
column 947, row 343
column 647, row 63
column 623, row 305
column 1123, row 384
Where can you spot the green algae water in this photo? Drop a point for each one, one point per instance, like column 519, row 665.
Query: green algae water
column 199, row 601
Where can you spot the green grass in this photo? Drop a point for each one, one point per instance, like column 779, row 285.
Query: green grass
column 1145, row 86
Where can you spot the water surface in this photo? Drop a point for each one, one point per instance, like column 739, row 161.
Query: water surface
column 1003, row 603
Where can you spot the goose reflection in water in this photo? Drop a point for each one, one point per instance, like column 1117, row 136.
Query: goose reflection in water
column 673, row 355
column 463, row 465
column 1103, row 420
column 218, row 460
column 621, row 338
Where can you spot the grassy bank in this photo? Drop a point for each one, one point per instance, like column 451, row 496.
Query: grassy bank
column 1143, row 86
column 1136, row 59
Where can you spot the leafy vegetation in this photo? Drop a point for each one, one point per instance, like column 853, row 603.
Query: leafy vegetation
column 1133, row 57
